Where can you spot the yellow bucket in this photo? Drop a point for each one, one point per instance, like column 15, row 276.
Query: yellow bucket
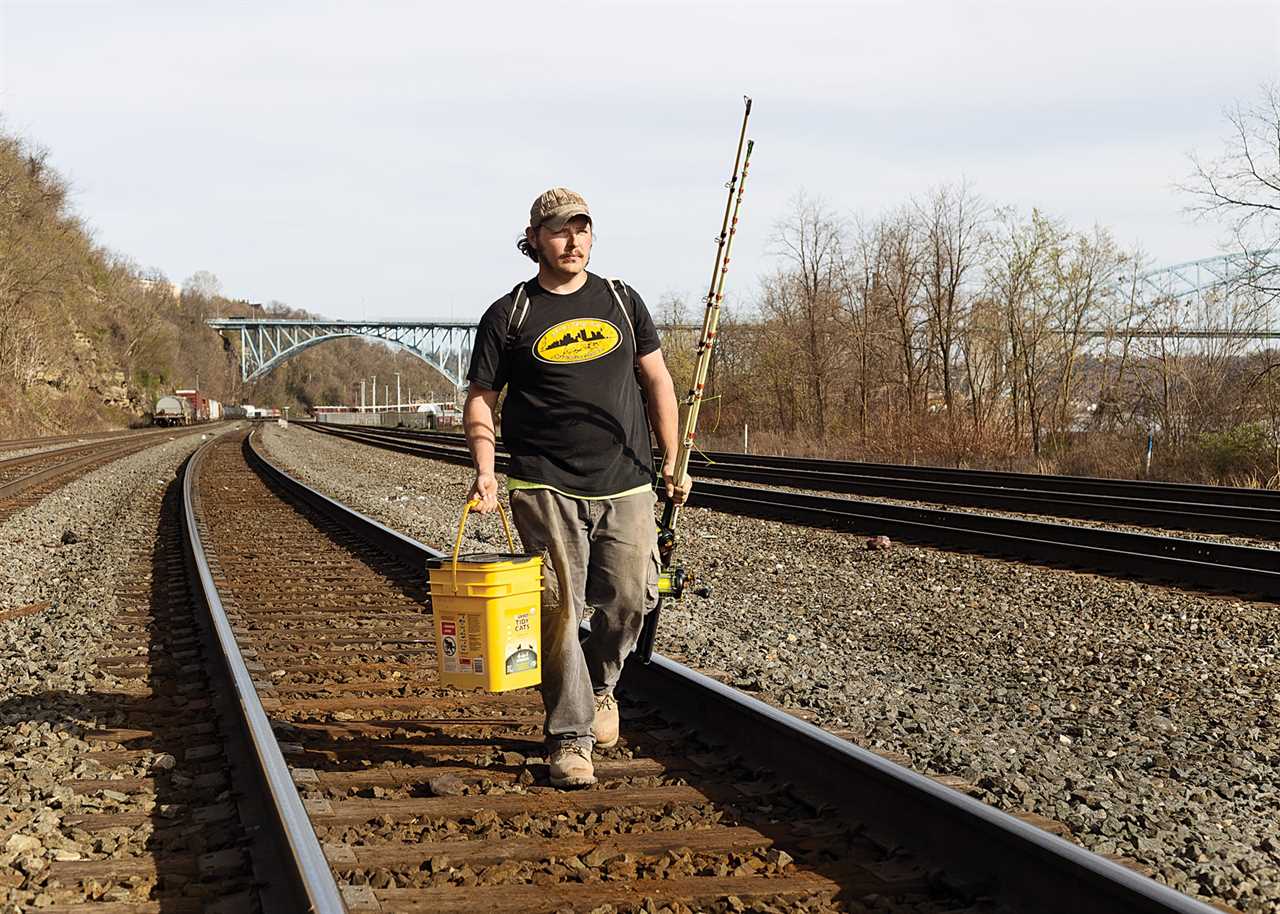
column 487, row 608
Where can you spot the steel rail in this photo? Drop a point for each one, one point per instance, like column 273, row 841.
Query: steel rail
column 95, row 452
column 1219, row 567
column 1073, row 485
column 309, row 873
column 1011, row 859
column 16, row 444
column 1139, row 511
column 1173, row 506
column 988, row 850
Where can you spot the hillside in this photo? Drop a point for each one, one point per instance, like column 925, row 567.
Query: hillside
column 88, row 340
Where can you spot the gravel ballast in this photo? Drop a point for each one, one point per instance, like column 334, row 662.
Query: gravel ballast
column 63, row 558
column 1143, row 718
column 8, row 452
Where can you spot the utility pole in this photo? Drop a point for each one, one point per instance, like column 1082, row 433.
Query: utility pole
column 375, row 393
column 397, row 391
column 362, row 395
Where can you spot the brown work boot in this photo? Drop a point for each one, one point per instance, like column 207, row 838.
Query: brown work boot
column 605, row 725
column 571, row 767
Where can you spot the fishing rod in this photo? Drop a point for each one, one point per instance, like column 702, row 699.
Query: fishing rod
column 672, row 579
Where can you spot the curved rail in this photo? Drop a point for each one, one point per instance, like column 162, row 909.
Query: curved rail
column 24, row 480
column 1007, row 857
column 1168, row 505
column 311, row 874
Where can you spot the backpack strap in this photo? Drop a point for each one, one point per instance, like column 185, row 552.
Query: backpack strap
column 619, row 290
column 515, row 317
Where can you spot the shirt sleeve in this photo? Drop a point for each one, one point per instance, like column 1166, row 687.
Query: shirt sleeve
column 489, row 363
column 647, row 340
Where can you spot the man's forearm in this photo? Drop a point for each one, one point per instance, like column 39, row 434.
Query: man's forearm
column 482, row 452
column 477, row 421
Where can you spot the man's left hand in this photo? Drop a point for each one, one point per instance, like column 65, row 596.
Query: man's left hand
column 678, row 494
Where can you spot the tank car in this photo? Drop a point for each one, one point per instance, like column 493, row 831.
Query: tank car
column 172, row 411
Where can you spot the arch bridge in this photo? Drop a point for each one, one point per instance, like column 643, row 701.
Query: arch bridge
column 1231, row 296
column 264, row 344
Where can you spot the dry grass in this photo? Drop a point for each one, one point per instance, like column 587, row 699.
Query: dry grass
column 1111, row 456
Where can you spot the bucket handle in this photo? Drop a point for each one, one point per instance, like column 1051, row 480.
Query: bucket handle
column 457, row 545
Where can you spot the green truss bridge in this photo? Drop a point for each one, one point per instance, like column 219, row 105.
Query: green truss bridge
column 264, row 344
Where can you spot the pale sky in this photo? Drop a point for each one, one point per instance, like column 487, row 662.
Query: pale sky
column 378, row 159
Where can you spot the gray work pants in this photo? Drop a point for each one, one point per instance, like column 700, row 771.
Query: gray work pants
column 598, row 554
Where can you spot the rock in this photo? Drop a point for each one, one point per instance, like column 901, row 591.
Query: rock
column 19, row 843
column 779, row 858
column 447, row 785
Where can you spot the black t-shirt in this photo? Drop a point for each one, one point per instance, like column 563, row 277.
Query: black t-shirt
column 573, row 418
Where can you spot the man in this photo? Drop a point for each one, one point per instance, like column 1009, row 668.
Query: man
column 570, row 348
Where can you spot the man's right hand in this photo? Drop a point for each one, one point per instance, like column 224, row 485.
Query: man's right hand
column 484, row 493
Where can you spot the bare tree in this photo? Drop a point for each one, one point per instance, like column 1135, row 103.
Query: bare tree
column 867, row 313
column 1018, row 281
column 899, row 285
column 1120, row 316
column 1242, row 186
column 1083, row 270
column 983, row 350
column 202, row 283
column 952, row 231
column 805, row 294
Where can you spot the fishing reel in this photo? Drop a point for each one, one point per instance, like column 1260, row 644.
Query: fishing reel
column 672, row 582
column 666, row 543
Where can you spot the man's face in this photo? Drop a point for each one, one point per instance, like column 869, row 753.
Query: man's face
column 567, row 250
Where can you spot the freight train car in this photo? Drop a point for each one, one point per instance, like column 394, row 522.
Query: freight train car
column 199, row 403
column 188, row 407
column 172, row 411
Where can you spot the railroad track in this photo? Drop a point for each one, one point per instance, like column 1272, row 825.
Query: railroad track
column 1219, row 567
column 18, row 444
column 1170, row 506
column 25, row 480
column 394, row 794
column 161, row 765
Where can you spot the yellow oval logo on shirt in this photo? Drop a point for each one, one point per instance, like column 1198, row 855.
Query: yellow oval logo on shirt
column 578, row 340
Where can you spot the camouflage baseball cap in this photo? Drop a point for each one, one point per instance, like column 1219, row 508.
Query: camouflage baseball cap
column 555, row 207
